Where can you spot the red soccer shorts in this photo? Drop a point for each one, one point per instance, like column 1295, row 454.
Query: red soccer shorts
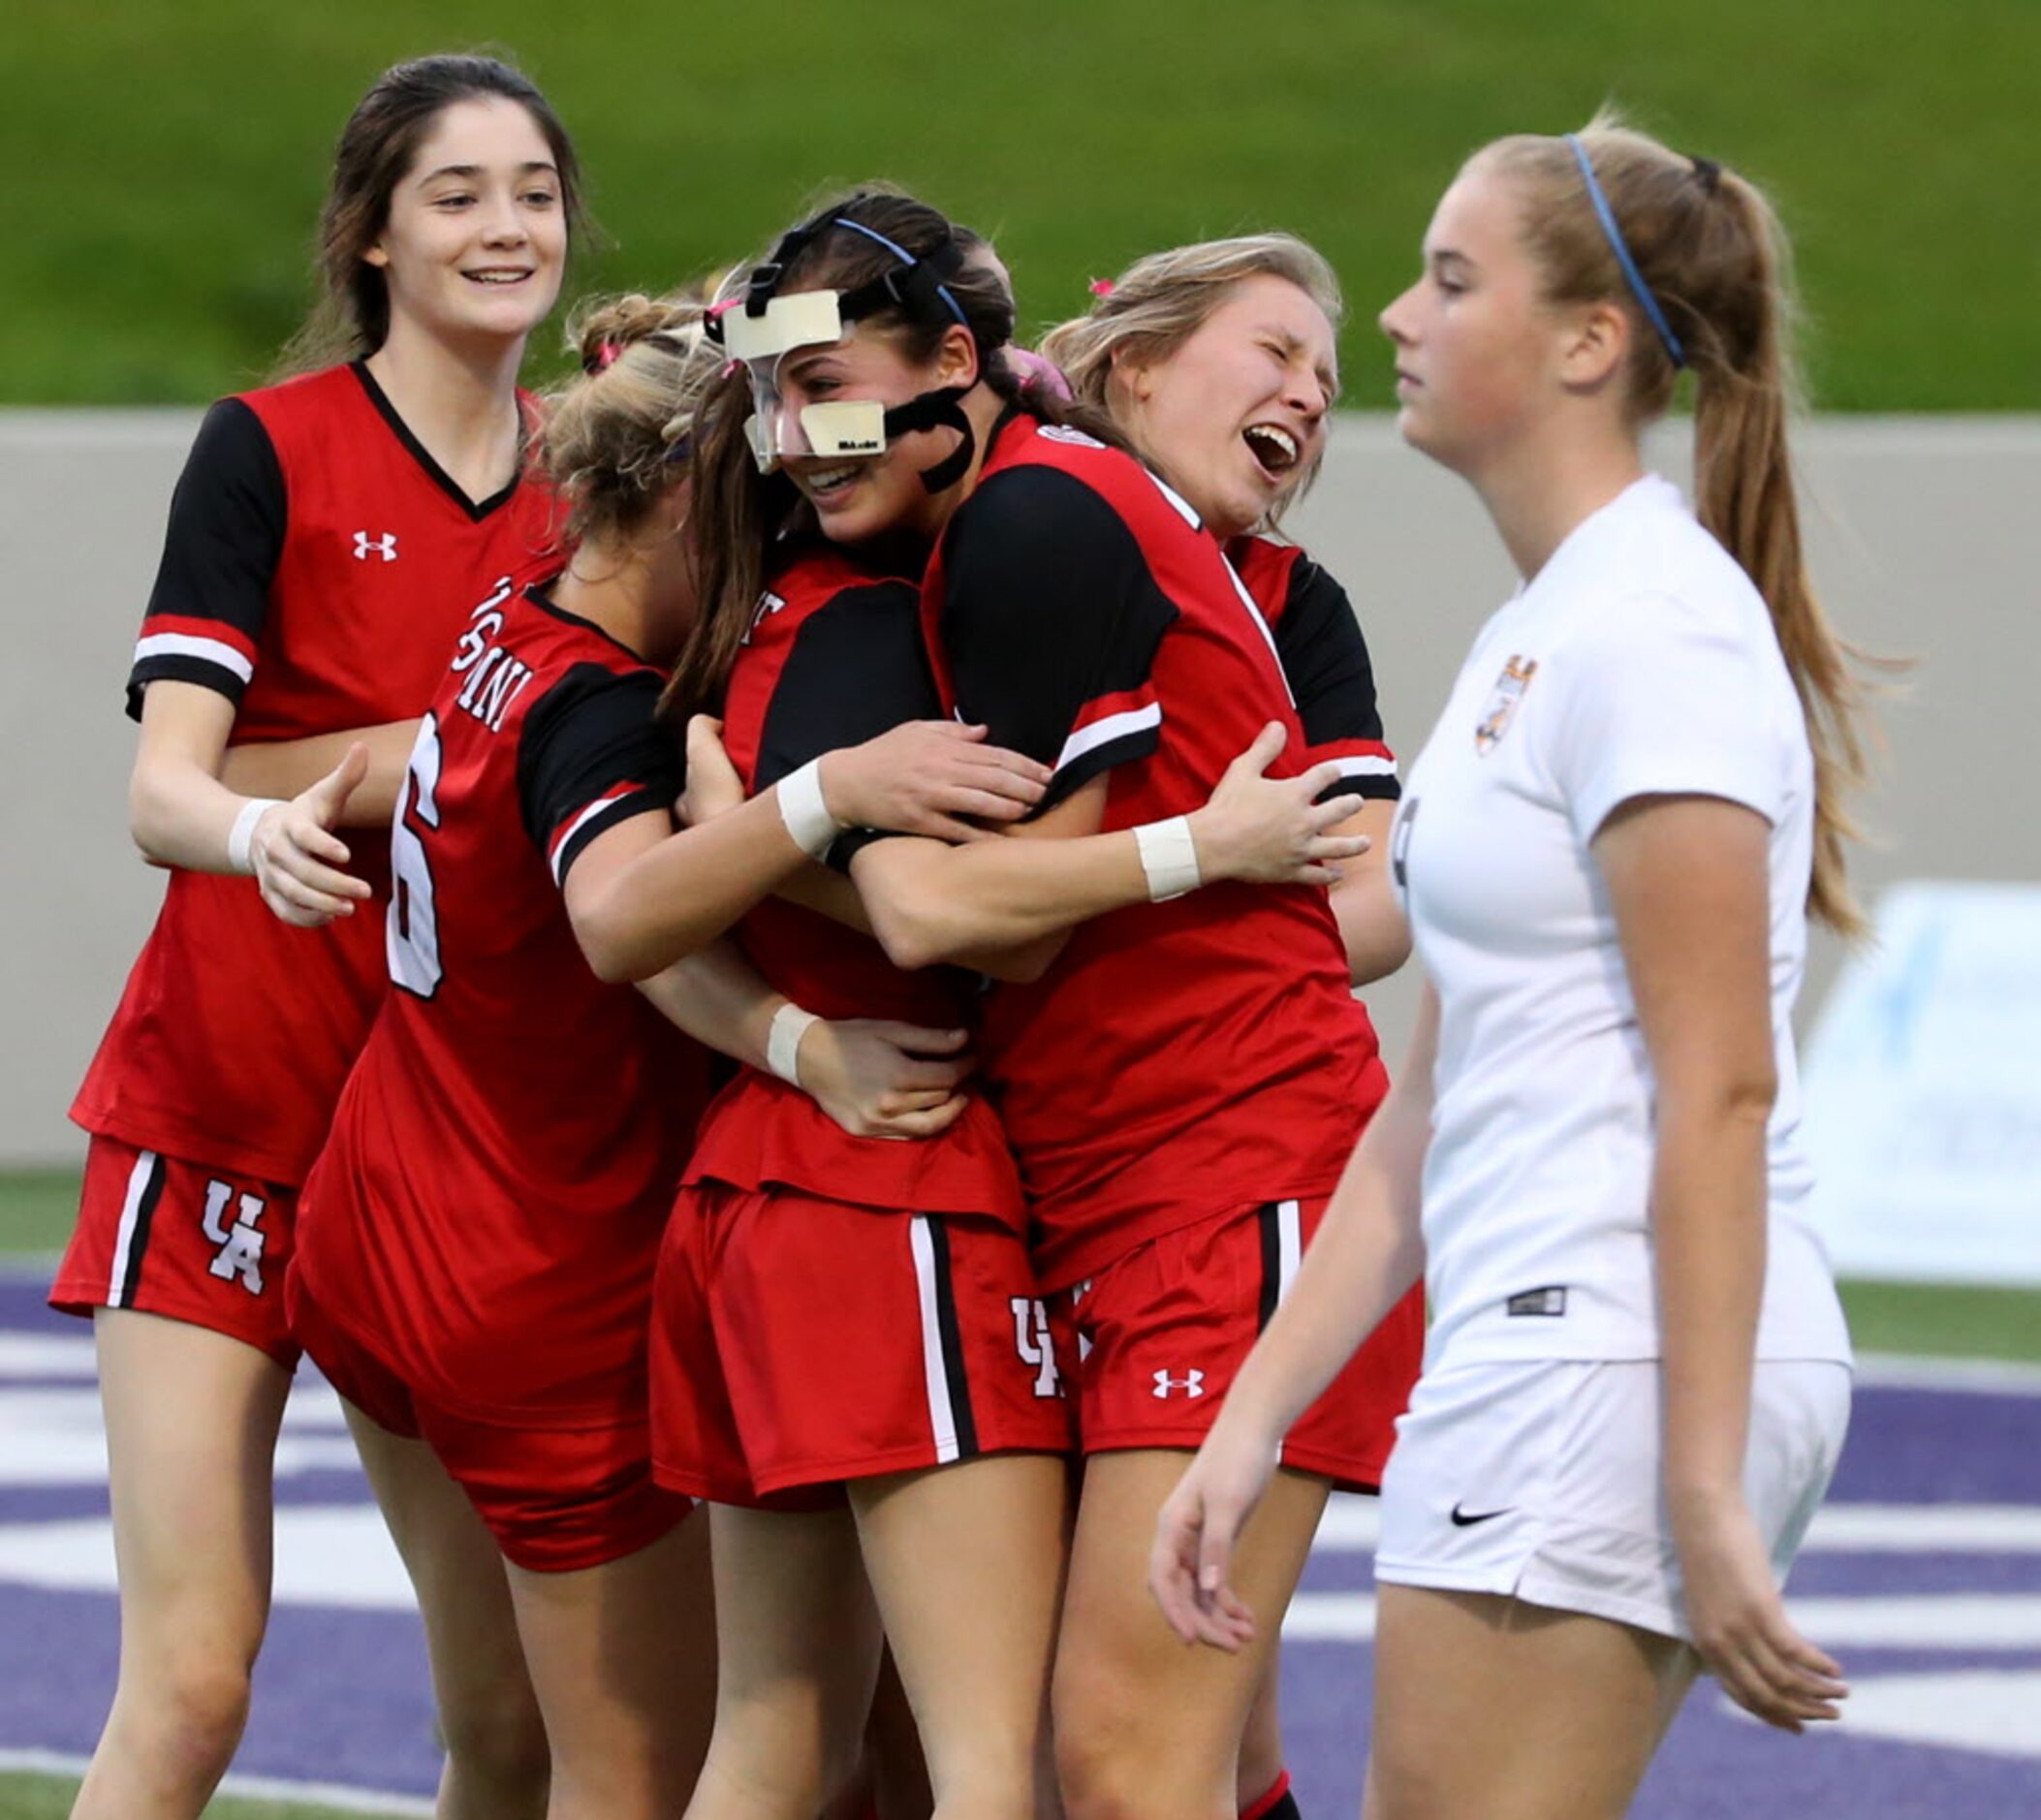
column 797, row 1342
column 1152, row 1342
column 555, row 1499
column 184, row 1241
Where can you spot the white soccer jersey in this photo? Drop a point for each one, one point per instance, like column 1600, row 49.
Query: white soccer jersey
column 1640, row 660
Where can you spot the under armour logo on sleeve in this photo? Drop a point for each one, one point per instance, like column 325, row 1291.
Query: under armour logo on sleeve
column 382, row 545
column 1191, row 1383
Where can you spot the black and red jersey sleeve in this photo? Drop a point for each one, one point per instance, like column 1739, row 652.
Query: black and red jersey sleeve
column 856, row 668
column 220, row 553
column 1326, row 660
column 1049, row 621
column 592, row 754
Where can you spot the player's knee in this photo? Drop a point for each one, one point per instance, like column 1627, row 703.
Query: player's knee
column 495, row 1739
column 1111, row 1766
column 198, row 1705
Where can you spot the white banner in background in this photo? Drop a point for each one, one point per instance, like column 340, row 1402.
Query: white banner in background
column 1923, row 1091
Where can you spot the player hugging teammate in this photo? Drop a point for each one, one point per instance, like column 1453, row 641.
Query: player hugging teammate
column 948, row 738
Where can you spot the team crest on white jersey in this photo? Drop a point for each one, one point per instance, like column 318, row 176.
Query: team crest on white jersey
column 382, row 543
column 1502, row 709
column 1062, row 432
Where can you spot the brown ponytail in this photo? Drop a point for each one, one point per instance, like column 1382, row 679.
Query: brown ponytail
column 1713, row 256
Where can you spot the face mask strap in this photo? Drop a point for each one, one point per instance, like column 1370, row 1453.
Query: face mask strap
column 941, row 409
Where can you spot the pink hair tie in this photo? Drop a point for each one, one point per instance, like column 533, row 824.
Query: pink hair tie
column 1039, row 374
column 715, row 310
column 1102, row 287
column 606, row 354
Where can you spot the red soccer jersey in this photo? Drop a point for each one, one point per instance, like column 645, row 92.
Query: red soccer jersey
column 1325, row 659
column 1184, row 1057
column 316, row 568
column 833, row 658
column 488, row 1209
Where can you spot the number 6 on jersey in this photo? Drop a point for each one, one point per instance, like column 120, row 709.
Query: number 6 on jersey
column 414, row 925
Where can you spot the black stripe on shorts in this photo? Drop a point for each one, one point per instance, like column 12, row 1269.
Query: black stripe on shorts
column 1268, row 1220
column 950, row 1336
column 138, row 1238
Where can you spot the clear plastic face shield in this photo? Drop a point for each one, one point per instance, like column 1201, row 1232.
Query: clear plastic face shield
column 848, row 427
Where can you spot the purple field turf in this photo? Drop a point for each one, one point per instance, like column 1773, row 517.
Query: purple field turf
column 341, row 1694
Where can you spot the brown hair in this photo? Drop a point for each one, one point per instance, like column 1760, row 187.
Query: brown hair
column 1712, row 254
column 737, row 510
column 614, row 436
column 351, row 314
column 1159, row 303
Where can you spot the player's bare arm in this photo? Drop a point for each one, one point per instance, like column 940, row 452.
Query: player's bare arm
column 284, row 767
column 931, row 904
column 876, row 1079
column 181, row 814
column 1686, row 877
column 1367, row 1255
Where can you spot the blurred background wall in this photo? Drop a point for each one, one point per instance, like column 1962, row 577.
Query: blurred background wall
column 1927, row 541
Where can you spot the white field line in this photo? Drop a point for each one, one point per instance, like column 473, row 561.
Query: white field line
column 1986, row 1620
column 339, row 1794
column 1352, row 1526
column 2006, row 1377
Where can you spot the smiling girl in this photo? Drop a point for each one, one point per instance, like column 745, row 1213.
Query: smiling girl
column 1189, row 1070
column 1218, row 363
column 326, row 540
column 1637, row 1378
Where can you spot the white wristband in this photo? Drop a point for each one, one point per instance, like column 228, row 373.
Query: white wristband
column 1169, row 856
column 806, row 815
column 790, row 1024
column 242, row 832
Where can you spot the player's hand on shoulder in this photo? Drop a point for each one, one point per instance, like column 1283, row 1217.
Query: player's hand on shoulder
column 296, row 857
column 926, row 777
column 1272, row 830
column 713, row 786
column 878, row 1079
column 1739, row 1623
column 1190, row 1566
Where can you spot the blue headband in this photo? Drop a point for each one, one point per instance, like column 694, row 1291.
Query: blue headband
column 905, row 257
column 1638, row 289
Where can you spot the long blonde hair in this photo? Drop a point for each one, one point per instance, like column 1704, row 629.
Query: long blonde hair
column 1710, row 250
column 1159, row 303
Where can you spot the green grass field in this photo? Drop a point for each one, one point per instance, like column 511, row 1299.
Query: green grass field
column 49, row 1797
column 172, row 155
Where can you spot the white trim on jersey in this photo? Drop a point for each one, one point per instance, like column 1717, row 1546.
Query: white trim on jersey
column 942, row 1422
column 1099, row 732
column 1260, row 625
column 582, row 821
column 186, row 644
column 1365, row 764
column 1289, row 1246
column 130, row 1211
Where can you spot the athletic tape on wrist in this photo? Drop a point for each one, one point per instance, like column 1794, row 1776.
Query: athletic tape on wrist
column 790, row 1024
column 241, row 835
column 804, row 811
column 1169, row 856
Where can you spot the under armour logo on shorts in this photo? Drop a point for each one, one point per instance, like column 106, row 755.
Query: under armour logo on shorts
column 1191, row 1383
column 366, row 545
